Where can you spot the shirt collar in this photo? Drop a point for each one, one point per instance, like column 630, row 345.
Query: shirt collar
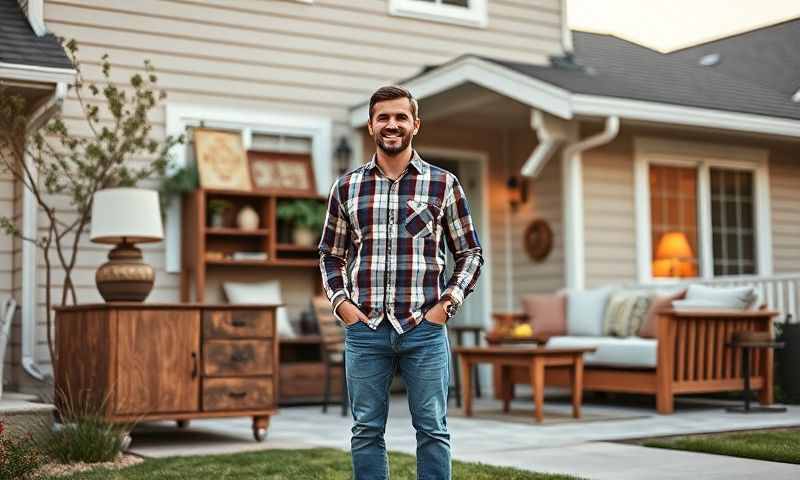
column 416, row 161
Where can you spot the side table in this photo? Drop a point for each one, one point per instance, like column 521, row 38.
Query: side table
column 460, row 332
column 748, row 342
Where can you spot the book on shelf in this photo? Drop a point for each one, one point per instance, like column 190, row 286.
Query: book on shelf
column 251, row 256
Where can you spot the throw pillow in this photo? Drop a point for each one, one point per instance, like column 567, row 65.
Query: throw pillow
column 586, row 310
column 264, row 293
column 661, row 301
column 739, row 298
column 626, row 313
column 546, row 313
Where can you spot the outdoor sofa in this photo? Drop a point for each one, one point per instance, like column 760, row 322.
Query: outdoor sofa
column 662, row 344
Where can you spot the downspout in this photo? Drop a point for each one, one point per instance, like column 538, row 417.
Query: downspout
column 572, row 177
column 30, row 227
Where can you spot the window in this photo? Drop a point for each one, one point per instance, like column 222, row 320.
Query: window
column 732, row 227
column 463, row 12
column 701, row 210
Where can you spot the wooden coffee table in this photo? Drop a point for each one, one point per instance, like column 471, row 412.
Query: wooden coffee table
column 537, row 359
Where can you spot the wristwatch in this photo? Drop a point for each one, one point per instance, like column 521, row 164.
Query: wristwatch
column 450, row 310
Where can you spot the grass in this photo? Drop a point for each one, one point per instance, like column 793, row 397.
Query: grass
column 316, row 464
column 774, row 446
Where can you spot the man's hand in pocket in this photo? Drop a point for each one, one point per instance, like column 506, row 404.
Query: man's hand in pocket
column 350, row 313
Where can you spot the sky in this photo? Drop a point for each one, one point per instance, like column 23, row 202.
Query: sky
column 670, row 24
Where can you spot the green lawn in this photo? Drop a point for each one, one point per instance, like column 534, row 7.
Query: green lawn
column 317, row 464
column 774, row 446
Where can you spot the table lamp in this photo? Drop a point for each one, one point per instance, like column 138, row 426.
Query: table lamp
column 673, row 250
column 124, row 217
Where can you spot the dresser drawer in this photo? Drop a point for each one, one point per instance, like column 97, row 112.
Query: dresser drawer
column 238, row 323
column 237, row 357
column 238, row 393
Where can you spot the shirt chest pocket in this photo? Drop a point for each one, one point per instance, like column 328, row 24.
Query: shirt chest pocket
column 421, row 218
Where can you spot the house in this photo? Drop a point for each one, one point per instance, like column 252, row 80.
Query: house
column 597, row 128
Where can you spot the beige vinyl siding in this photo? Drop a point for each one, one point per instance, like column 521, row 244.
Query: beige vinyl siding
column 609, row 217
column 272, row 56
column 784, row 176
column 544, row 201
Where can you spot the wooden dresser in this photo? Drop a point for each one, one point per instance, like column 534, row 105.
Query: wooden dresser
column 142, row 362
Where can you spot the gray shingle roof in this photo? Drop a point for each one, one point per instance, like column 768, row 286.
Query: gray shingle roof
column 19, row 45
column 768, row 56
column 619, row 68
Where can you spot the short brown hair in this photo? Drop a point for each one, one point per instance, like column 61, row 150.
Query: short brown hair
column 390, row 93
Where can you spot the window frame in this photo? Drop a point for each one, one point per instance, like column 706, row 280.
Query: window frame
column 703, row 157
column 475, row 15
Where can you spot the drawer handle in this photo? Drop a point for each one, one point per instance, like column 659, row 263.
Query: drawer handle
column 238, row 395
column 239, row 357
column 238, row 323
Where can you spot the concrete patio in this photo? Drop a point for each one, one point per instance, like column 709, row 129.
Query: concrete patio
column 589, row 449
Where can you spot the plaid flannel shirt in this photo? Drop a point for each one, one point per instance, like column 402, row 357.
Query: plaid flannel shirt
column 383, row 243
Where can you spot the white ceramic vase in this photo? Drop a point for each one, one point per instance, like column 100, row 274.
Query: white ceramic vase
column 303, row 236
column 247, row 219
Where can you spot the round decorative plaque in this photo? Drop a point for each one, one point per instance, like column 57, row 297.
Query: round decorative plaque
column 538, row 240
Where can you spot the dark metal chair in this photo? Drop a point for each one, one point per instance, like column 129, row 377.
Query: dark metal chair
column 331, row 349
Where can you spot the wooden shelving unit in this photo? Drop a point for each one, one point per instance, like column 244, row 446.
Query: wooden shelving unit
column 199, row 240
column 301, row 369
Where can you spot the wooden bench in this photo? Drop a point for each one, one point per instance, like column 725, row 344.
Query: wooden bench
column 692, row 358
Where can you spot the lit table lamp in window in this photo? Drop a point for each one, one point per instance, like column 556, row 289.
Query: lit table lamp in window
column 124, row 217
column 673, row 255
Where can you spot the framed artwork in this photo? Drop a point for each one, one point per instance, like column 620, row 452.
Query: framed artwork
column 281, row 173
column 221, row 159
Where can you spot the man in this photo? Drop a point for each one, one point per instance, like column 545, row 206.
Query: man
column 390, row 219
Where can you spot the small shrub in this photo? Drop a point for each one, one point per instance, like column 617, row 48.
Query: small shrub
column 19, row 458
column 89, row 439
column 85, row 435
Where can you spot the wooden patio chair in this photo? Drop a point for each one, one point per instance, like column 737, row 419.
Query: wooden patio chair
column 331, row 348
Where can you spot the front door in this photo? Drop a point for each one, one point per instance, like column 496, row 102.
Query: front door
column 468, row 172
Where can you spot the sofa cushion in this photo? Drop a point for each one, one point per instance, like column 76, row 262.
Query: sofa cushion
column 661, row 301
column 739, row 298
column 612, row 351
column 546, row 313
column 626, row 312
column 585, row 311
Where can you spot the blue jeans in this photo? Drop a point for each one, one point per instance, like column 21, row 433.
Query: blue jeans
column 422, row 357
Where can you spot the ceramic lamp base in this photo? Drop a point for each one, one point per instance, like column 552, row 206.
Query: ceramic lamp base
column 125, row 277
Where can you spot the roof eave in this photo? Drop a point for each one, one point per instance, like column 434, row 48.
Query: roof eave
column 35, row 73
column 594, row 105
column 504, row 81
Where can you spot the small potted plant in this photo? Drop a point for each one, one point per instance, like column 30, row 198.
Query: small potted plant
column 183, row 180
column 216, row 212
column 306, row 218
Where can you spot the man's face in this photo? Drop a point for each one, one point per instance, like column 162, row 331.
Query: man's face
column 392, row 125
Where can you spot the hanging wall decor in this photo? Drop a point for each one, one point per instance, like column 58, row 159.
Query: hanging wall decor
column 221, row 160
column 281, row 173
column 538, row 240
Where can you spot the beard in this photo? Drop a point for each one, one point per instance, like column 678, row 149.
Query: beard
column 396, row 146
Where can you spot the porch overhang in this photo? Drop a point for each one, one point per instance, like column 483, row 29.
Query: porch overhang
column 565, row 104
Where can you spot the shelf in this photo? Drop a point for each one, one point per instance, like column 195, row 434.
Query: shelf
column 261, row 232
column 256, row 194
column 279, row 262
column 289, row 247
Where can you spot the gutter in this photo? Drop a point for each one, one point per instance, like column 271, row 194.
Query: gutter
column 30, row 226
column 551, row 133
column 572, row 178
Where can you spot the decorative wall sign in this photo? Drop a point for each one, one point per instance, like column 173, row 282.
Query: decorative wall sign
column 221, row 159
column 281, row 172
column 538, row 240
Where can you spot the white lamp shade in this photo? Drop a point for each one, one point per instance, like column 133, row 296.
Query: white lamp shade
column 132, row 214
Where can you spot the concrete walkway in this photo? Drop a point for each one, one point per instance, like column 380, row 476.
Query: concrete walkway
column 584, row 449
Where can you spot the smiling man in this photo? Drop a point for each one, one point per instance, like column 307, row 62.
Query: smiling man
column 382, row 256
